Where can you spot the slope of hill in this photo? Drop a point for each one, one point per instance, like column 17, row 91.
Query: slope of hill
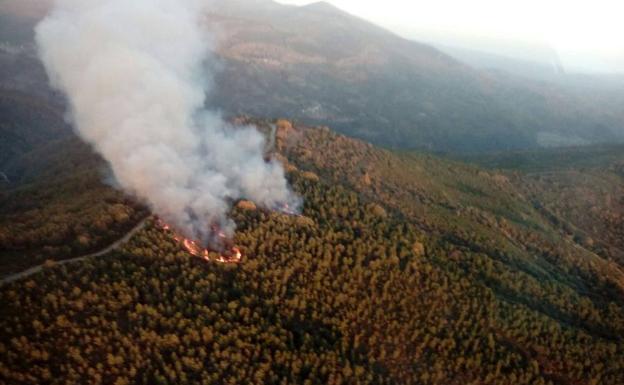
column 54, row 203
column 404, row 268
column 27, row 122
column 321, row 65
column 578, row 189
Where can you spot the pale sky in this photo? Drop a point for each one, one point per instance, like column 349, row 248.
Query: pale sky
column 584, row 32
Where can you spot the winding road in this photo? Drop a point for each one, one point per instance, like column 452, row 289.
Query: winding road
column 35, row 269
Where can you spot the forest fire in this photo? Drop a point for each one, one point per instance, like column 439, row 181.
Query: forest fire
column 286, row 209
column 232, row 254
column 231, row 257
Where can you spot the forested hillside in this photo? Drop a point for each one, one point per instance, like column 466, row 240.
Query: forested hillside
column 402, row 268
column 578, row 189
column 55, row 202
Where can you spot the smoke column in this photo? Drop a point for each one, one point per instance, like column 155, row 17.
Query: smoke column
column 134, row 75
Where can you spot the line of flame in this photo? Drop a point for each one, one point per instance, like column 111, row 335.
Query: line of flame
column 194, row 249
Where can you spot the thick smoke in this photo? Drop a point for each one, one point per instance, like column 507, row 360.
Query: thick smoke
column 135, row 76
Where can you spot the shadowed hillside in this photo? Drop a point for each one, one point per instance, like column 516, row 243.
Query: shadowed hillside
column 54, row 200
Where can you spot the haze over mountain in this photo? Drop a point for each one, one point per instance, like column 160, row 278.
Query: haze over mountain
column 582, row 35
column 321, row 65
column 325, row 66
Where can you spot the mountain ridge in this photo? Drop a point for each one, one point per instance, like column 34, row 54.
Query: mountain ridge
column 323, row 66
column 420, row 97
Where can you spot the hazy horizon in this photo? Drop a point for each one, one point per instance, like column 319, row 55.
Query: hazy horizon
column 584, row 35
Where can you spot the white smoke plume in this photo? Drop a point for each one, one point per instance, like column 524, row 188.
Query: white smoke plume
column 134, row 75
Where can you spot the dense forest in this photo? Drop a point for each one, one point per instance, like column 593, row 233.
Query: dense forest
column 60, row 206
column 401, row 269
column 578, row 189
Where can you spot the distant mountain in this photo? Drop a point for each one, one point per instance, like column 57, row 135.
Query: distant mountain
column 490, row 51
column 320, row 65
column 536, row 70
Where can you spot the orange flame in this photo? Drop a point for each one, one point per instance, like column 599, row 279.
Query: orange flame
column 286, row 209
column 196, row 250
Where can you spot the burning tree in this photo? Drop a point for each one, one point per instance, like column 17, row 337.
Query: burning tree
column 231, row 254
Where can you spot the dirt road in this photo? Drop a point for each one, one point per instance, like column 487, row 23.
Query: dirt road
column 35, row 269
